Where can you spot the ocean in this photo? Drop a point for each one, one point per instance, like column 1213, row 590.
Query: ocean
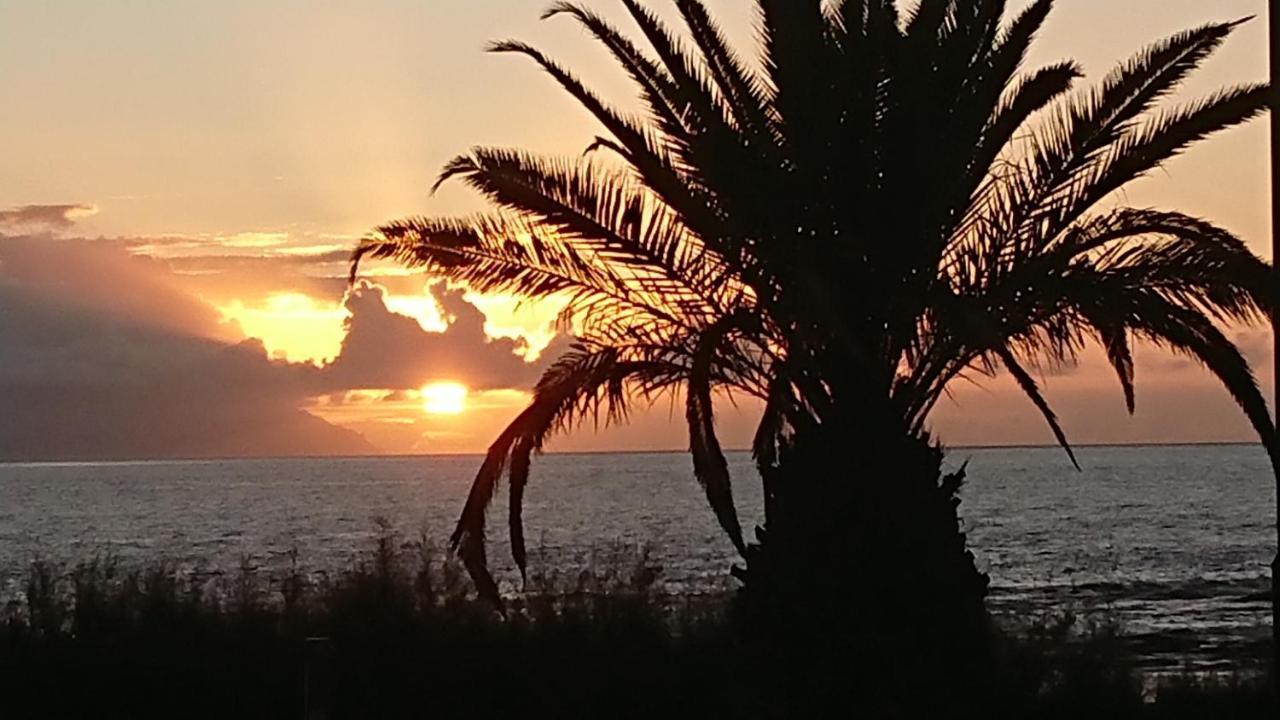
column 1169, row 543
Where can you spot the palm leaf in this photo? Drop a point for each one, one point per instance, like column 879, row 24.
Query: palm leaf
column 1032, row 391
column 709, row 464
column 586, row 382
column 656, row 85
column 744, row 95
column 609, row 216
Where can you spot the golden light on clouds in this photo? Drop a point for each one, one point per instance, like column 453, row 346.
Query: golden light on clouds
column 300, row 328
column 254, row 240
column 396, row 421
column 422, row 308
column 444, row 398
column 80, row 212
column 305, row 250
column 507, row 316
column 292, row 325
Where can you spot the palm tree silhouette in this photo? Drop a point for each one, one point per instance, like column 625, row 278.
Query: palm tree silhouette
column 887, row 205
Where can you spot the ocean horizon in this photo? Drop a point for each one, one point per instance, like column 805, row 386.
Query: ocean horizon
column 659, row 451
column 1169, row 542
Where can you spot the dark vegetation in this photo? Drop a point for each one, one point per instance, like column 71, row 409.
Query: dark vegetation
column 401, row 636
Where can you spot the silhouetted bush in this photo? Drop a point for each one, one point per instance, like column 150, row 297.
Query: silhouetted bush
column 399, row 635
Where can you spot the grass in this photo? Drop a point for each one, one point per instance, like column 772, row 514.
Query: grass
column 399, row 635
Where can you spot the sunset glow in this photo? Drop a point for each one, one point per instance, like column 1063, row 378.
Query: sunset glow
column 292, row 325
column 195, row 229
column 444, row 398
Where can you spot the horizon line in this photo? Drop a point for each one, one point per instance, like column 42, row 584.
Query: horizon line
column 656, row 451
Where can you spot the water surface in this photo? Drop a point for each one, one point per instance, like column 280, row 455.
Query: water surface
column 1171, row 542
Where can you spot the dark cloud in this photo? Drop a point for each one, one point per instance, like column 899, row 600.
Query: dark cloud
column 383, row 349
column 103, row 278
column 104, row 355
column 53, row 217
column 185, row 419
column 101, row 359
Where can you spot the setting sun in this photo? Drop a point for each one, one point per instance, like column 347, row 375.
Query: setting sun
column 444, row 398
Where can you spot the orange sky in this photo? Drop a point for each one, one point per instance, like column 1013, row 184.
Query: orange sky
column 225, row 155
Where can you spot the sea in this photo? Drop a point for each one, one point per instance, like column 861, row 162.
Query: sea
column 1167, row 545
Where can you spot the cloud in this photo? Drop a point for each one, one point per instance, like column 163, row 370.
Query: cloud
column 251, row 280
column 194, row 409
column 103, row 358
column 252, row 240
column 100, row 277
column 50, row 217
column 107, row 355
column 384, row 349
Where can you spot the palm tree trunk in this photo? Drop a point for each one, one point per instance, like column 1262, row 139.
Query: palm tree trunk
column 861, row 572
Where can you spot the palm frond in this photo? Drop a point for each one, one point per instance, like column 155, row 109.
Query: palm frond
column 656, row 85
column 1024, row 99
column 1098, row 119
column 1114, row 338
column 1063, row 152
column 494, row 253
column 1150, row 144
column 1032, row 390
column 1011, row 45
column 709, row 464
column 796, row 39
column 587, row 382
column 1190, row 333
column 650, row 160
column 701, row 105
column 926, row 19
column 608, row 215
column 504, row 254
column 743, row 93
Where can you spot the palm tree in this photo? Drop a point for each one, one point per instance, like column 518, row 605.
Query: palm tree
column 886, row 205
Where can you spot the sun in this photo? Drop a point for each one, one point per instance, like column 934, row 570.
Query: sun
column 444, row 398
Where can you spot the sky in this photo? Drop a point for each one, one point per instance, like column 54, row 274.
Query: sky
column 182, row 181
